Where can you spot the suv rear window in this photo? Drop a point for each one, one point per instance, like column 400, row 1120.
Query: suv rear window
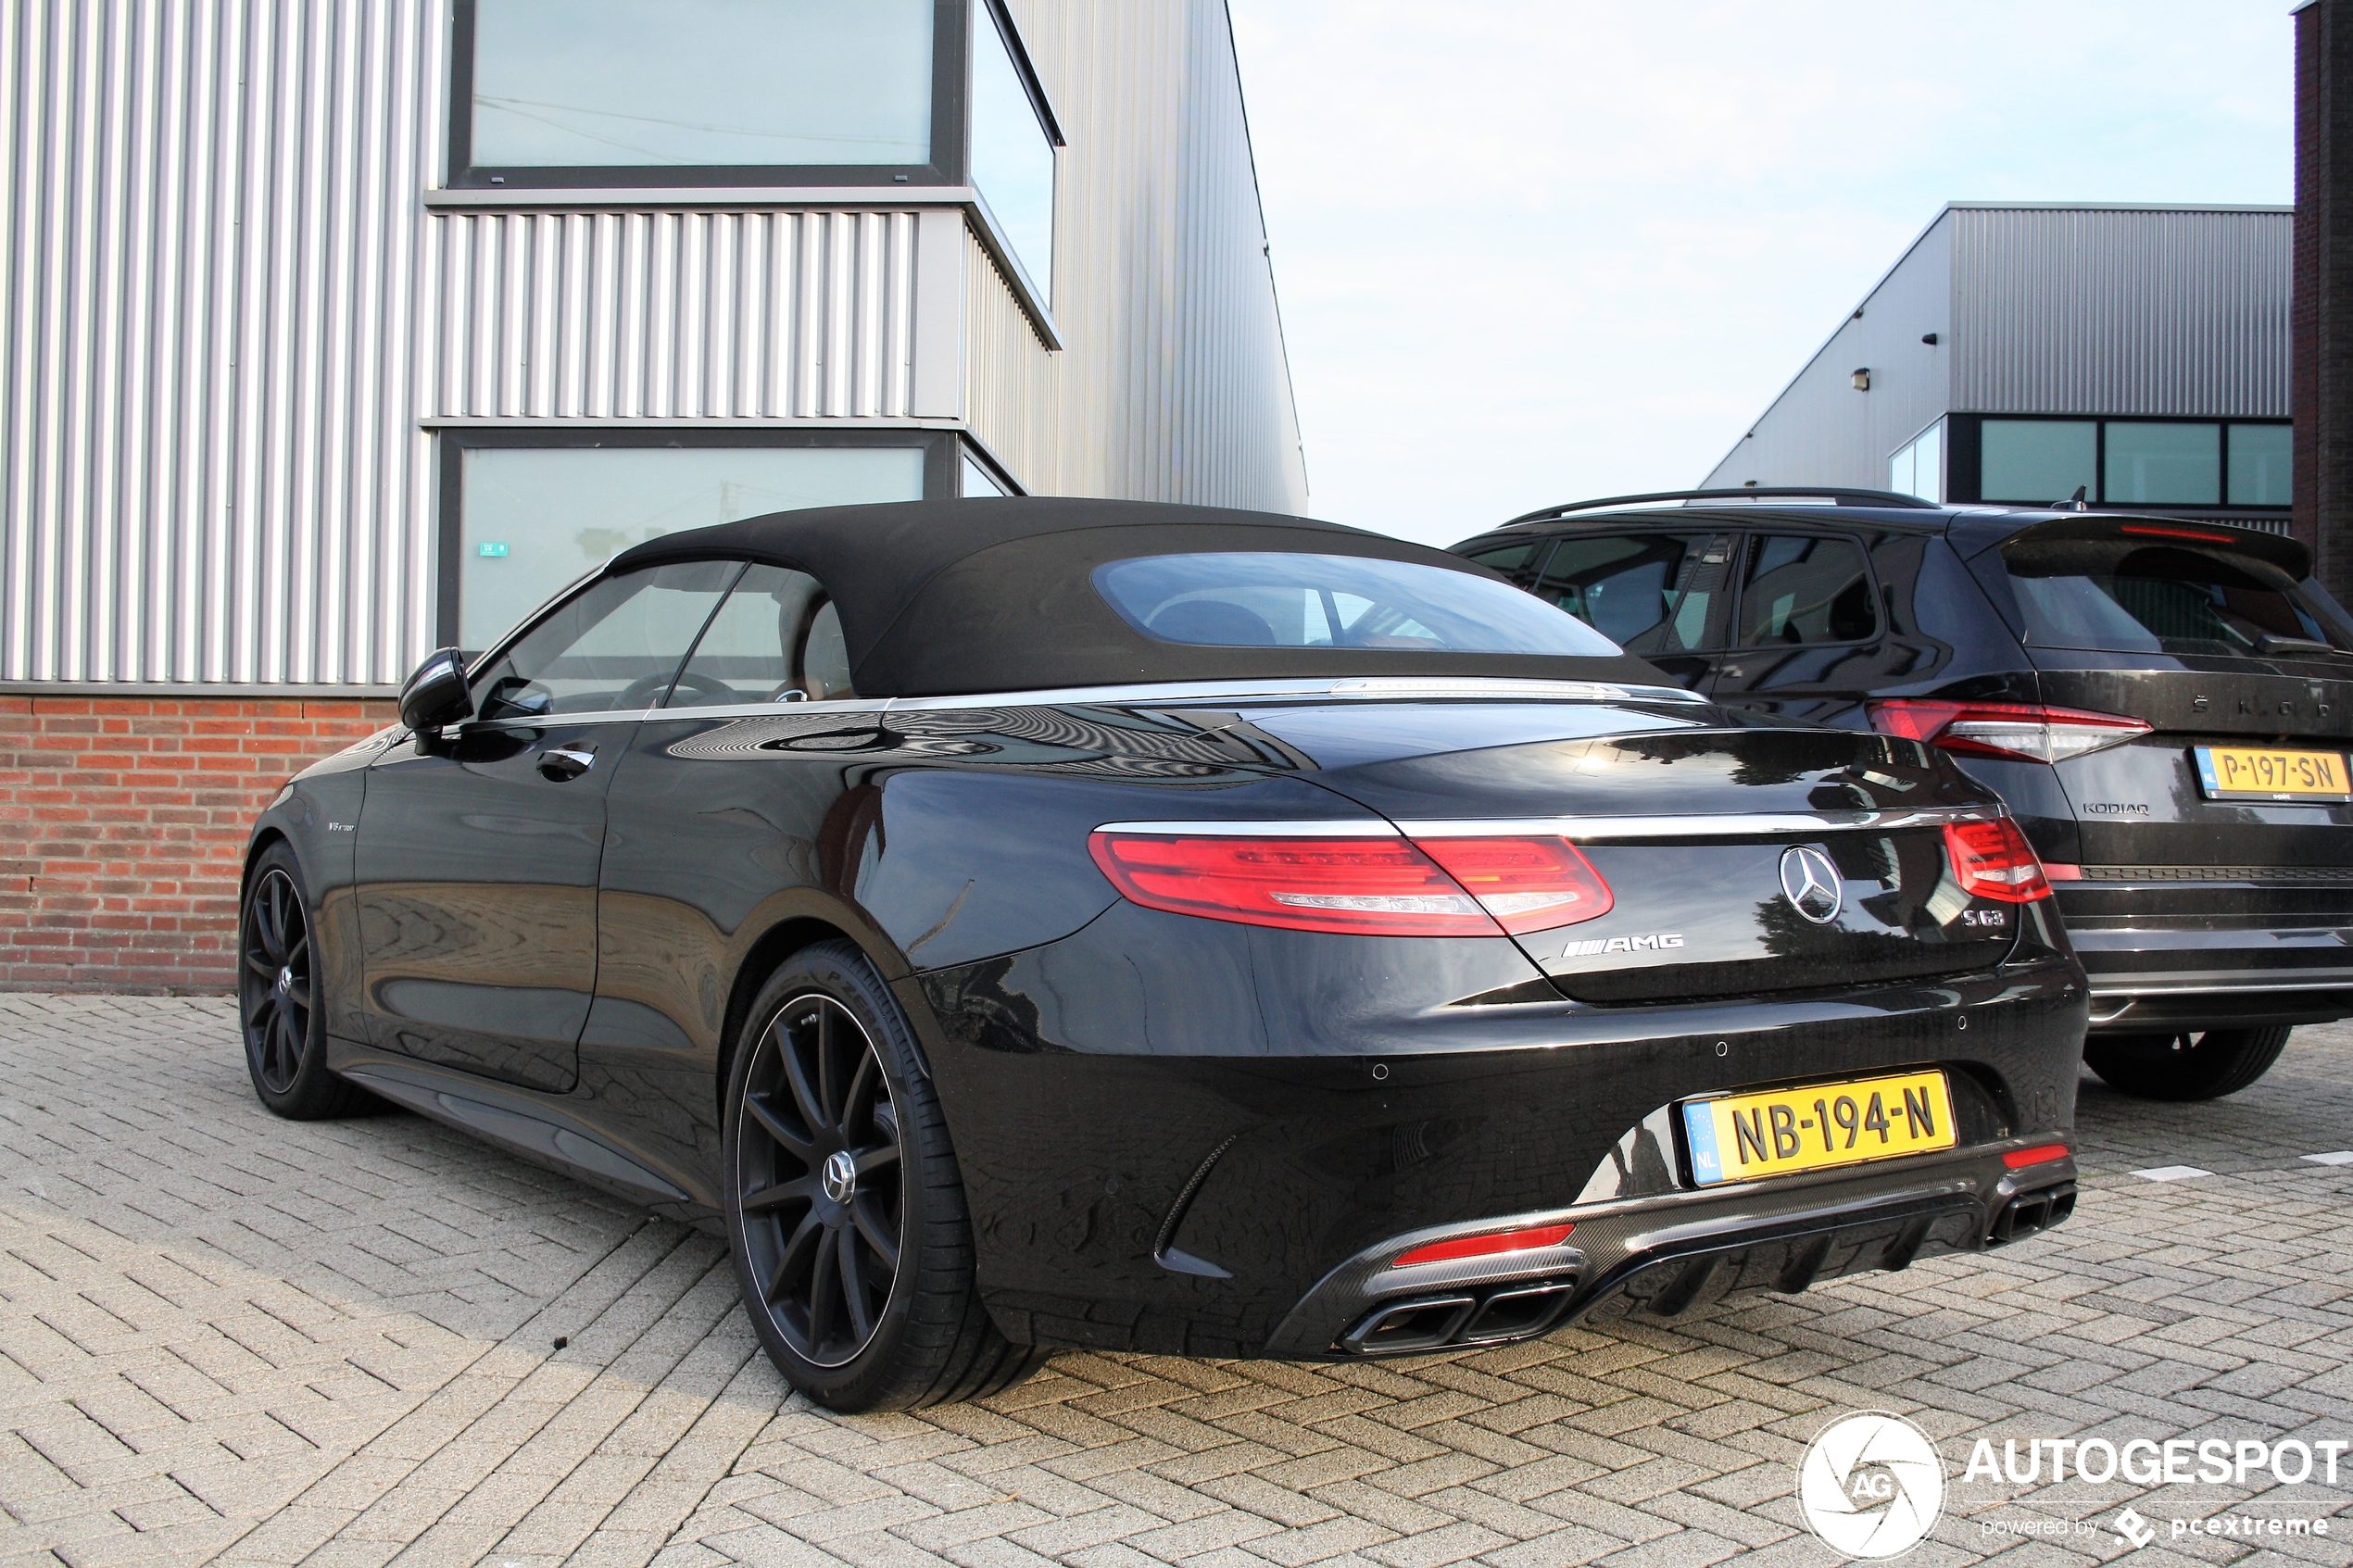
column 2120, row 596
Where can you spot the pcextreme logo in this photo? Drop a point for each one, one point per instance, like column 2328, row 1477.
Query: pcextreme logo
column 1870, row 1485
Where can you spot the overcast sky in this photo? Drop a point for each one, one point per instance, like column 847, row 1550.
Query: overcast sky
column 1534, row 250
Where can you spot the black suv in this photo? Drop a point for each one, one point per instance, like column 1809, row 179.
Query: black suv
column 2166, row 705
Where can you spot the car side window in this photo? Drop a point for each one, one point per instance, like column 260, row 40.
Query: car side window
column 1517, row 561
column 824, row 656
column 1649, row 592
column 1801, row 588
column 614, row 646
column 750, row 652
column 776, row 639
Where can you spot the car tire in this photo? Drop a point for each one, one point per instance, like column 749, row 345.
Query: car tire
column 838, row 1171
column 281, row 1012
column 2183, row 1067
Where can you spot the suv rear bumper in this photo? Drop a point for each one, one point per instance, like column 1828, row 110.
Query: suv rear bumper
column 2166, row 957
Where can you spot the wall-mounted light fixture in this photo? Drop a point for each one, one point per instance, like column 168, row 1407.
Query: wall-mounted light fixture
column 1862, row 378
column 1929, row 338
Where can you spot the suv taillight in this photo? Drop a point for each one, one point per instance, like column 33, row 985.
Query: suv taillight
column 1358, row 887
column 1993, row 861
column 2016, row 731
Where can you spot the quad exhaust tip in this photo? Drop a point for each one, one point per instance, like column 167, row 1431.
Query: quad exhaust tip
column 1461, row 1317
column 2031, row 1213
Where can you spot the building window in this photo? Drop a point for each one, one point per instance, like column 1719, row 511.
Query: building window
column 2259, row 465
column 1013, row 146
column 978, row 481
column 1917, row 467
column 2163, row 464
column 520, row 521
column 2144, row 462
column 620, row 92
column 2038, row 461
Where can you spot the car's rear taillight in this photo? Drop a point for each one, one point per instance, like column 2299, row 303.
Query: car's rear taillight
column 2017, row 731
column 1374, row 886
column 1526, row 883
column 1993, row 861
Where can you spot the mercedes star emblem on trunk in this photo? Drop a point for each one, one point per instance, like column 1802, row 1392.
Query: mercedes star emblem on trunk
column 1811, row 884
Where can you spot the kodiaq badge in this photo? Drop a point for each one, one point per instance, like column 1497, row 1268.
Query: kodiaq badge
column 1811, row 884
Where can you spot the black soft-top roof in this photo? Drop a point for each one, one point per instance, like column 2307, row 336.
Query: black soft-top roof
column 941, row 598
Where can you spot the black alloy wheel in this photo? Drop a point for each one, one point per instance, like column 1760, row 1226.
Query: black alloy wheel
column 276, row 985
column 846, row 1214
column 2185, row 1067
column 279, row 996
column 817, row 1169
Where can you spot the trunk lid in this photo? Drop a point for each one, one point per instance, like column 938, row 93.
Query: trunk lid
column 1692, row 828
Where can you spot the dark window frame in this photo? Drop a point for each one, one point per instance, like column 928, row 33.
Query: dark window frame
column 1737, row 598
column 1965, row 460
column 1722, row 621
column 942, row 473
column 950, row 76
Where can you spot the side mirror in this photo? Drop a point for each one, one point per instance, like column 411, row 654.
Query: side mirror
column 436, row 693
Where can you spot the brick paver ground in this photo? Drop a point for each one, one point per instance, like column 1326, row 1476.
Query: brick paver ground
column 227, row 1336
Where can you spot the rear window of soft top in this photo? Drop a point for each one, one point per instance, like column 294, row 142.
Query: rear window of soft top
column 1271, row 599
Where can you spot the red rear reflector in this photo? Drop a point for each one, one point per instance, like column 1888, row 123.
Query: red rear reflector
column 1485, row 1246
column 2021, row 731
column 1526, row 883
column 2059, row 871
column 1361, row 886
column 1993, row 861
column 2042, row 1154
column 2147, row 531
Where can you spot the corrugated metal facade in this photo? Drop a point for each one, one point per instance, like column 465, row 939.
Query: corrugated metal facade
column 2040, row 311
column 1823, row 428
column 678, row 315
column 227, row 317
column 1173, row 386
column 211, row 462
column 2107, row 312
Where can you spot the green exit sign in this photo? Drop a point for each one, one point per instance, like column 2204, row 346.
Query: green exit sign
column 494, row 551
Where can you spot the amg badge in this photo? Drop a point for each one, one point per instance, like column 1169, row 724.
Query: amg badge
column 1595, row 945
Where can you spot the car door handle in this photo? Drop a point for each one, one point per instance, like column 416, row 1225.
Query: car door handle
column 558, row 763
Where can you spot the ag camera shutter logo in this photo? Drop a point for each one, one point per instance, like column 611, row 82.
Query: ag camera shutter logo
column 1871, row 1485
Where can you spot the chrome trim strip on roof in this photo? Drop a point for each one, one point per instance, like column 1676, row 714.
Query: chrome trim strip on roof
column 1729, row 824
column 1352, row 689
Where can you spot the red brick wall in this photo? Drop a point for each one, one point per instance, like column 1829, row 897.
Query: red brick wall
column 122, row 830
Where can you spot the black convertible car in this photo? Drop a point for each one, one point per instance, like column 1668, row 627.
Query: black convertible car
column 1025, row 923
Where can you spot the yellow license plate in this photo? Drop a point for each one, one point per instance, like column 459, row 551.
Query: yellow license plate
column 1742, row 1137
column 2257, row 772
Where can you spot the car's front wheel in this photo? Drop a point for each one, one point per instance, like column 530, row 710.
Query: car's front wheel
column 280, row 1003
column 2183, row 1067
column 845, row 1209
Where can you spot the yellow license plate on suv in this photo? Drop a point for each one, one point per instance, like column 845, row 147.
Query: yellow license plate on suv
column 2259, row 772
column 1742, row 1138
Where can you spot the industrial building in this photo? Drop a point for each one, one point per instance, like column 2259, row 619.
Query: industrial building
column 2027, row 352
column 340, row 330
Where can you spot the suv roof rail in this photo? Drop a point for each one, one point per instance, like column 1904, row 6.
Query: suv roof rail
column 1837, row 496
